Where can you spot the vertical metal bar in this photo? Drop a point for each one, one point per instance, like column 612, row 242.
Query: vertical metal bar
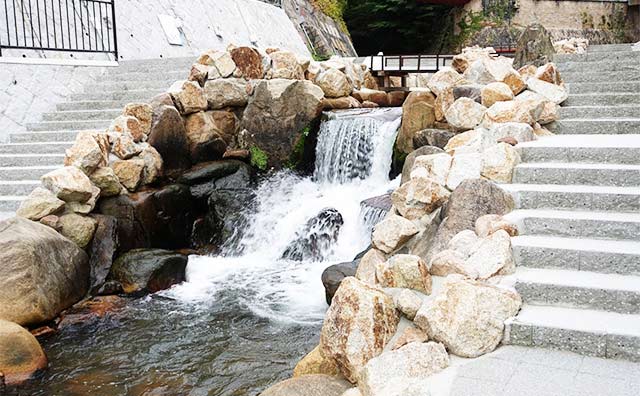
column 106, row 11
column 93, row 5
column 81, row 25
column 75, row 22
column 15, row 22
column 88, row 28
column 33, row 42
column 66, row 3
column 46, row 22
column 39, row 23
column 53, row 22
column 6, row 15
column 115, row 31
column 24, row 22
column 61, row 23
column 101, row 22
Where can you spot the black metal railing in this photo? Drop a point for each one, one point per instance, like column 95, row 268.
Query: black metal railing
column 82, row 26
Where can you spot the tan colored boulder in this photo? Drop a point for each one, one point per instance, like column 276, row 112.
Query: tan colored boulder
column 444, row 79
column 549, row 73
column 124, row 147
column 405, row 271
column 309, row 385
column 397, row 98
column 468, row 55
column 552, row 92
column 465, row 114
column 86, row 153
column 334, row 83
column 315, row 363
column 409, row 335
column 345, row 102
column 40, row 203
column 493, row 256
column 188, row 96
column 358, row 325
column 496, row 92
column 392, row 232
column 487, row 70
column 227, row 92
column 435, row 167
column 512, row 111
column 528, row 71
column 465, row 142
column 521, row 132
column 248, row 62
column 85, row 207
column 20, row 354
column 447, row 262
column 366, row 271
column 369, row 95
column 402, row 372
column 77, row 228
column 69, row 184
column 129, row 172
column 417, row 114
column 221, row 60
column 202, row 133
column 408, row 302
column 543, row 110
column 418, row 197
column 128, row 125
column 540, row 131
column 284, row 64
column 468, row 316
column 499, row 162
column 201, row 73
column 515, row 81
column 464, row 243
column 464, row 166
column 143, row 112
column 106, row 180
column 442, row 104
column 152, row 165
column 488, row 224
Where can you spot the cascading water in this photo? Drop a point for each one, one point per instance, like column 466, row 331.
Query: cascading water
column 245, row 317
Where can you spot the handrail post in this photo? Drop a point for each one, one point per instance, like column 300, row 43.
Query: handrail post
column 115, row 31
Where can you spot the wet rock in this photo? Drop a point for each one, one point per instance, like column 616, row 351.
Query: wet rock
column 357, row 326
column 417, row 114
column 405, row 271
column 419, row 197
column 407, row 302
column 366, row 271
column 227, row 92
column 468, row 316
column 169, row 136
column 143, row 112
column 334, row 83
column 499, row 162
column 534, row 47
column 89, row 311
column 20, row 354
column 240, row 154
column 102, row 250
column 248, row 62
column 315, row 363
column 394, row 372
column 40, row 203
column 153, row 165
column 392, row 233
column 309, row 385
column 42, row 274
column 410, row 160
column 230, row 208
column 488, row 224
column 397, row 98
column 333, row 276
column 188, row 97
column 445, row 78
column 69, row 184
column 315, row 238
column 204, row 137
column 86, row 153
column 148, row 270
column 432, row 137
column 465, row 114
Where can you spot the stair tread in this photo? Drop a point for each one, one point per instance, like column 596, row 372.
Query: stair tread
column 574, row 215
column 32, row 167
column 570, row 188
column 578, row 165
column 585, row 320
column 585, row 140
column 579, row 279
column 583, row 244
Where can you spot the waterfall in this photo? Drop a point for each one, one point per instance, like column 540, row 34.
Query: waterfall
column 301, row 225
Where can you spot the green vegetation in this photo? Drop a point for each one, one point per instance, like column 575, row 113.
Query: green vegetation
column 259, row 158
column 297, row 155
column 334, row 9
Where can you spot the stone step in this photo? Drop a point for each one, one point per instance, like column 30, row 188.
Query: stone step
column 574, row 224
column 158, row 64
column 620, row 175
column 611, row 149
column 613, row 126
column 579, row 289
column 575, row 197
column 603, row 87
column 603, row 99
column 606, row 56
column 18, row 188
column 43, row 137
column 115, row 86
column 621, row 111
column 587, row 332
column 92, row 105
column 10, row 203
column 68, row 125
column 602, row 256
column 610, row 47
column 35, row 148
column 604, row 66
column 173, row 75
column 17, row 173
column 128, row 96
column 600, row 76
column 7, row 160
column 82, row 115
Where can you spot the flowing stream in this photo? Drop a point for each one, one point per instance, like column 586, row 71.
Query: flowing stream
column 243, row 318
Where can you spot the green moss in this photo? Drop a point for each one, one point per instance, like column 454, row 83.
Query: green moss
column 298, row 150
column 259, row 158
column 334, row 9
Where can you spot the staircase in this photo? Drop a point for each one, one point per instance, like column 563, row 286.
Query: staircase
column 578, row 208
column 40, row 149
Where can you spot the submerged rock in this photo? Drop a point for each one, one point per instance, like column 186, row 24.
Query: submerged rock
column 314, row 240
column 148, row 270
column 309, row 385
column 20, row 354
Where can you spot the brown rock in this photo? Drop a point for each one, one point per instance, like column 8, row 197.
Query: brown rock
column 345, row 102
column 86, row 153
column 188, row 96
column 20, row 354
column 205, row 140
column 409, row 335
column 125, row 147
column 242, row 155
column 128, row 125
column 396, row 98
column 91, row 310
column 129, row 172
column 169, row 136
column 248, row 62
column 417, row 114
column 509, row 140
column 405, row 271
column 40, row 203
column 78, row 228
column 143, row 113
column 315, row 363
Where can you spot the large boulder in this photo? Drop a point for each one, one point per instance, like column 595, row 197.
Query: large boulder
column 129, row 172
column 465, row 166
column 309, row 385
column 40, row 203
column 552, row 92
column 499, row 161
column 418, row 113
column 511, row 111
column 285, row 65
column 221, row 61
column 444, row 79
column 409, row 161
column 357, row 326
column 86, row 153
column 418, row 197
column 169, row 137
column 107, row 181
column 493, row 256
column 435, row 167
column 69, row 184
column 20, row 354
column 204, row 137
column 405, row 271
column 78, row 228
column 248, row 62
column 472, row 199
column 102, row 250
column 333, row 276
column 142, row 112
column 278, row 110
column 432, row 137
column 465, row 114
column 334, row 83
column 392, row 232
column 227, row 92
column 399, row 372
column 534, row 47
column 468, row 316
column 366, row 271
column 464, row 59
column 188, row 97
column 42, row 272
column 495, row 92
column 148, row 270
column 316, row 363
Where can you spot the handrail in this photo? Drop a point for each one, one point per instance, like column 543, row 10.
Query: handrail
column 424, row 63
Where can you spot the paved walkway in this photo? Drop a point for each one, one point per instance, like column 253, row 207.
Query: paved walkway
column 523, row 371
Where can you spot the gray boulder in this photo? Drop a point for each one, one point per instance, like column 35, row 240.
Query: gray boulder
column 411, row 158
column 148, row 270
column 534, row 47
column 333, row 276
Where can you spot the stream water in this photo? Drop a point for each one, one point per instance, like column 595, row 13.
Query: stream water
column 242, row 320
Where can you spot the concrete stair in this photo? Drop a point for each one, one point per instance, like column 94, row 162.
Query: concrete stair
column 578, row 212
column 29, row 155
